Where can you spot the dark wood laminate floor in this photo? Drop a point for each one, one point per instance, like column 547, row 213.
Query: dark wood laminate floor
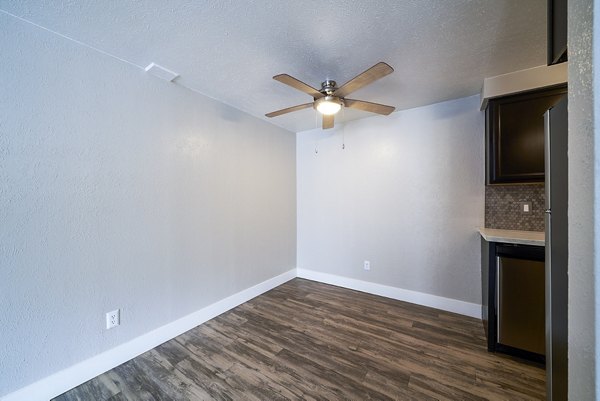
column 310, row 341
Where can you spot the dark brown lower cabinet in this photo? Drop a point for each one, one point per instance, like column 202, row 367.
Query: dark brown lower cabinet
column 514, row 299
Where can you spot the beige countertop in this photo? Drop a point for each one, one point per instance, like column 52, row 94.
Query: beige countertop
column 513, row 236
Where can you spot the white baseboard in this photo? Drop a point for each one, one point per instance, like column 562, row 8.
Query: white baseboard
column 419, row 298
column 62, row 381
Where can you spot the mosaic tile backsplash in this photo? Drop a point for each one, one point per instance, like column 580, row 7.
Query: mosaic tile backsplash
column 503, row 207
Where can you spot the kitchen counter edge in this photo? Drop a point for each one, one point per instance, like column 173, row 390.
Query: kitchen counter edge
column 536, row 238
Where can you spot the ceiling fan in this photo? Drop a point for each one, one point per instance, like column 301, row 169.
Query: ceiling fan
column 330, row 99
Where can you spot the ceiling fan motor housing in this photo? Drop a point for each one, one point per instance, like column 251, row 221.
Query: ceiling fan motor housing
column 328, row 87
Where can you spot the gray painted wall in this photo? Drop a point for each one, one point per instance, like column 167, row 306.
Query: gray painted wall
column 407, row 194
column 118, row 190
column 583, row 163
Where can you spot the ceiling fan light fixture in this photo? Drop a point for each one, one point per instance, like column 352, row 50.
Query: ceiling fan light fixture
column 330, row 99
column 328, row 105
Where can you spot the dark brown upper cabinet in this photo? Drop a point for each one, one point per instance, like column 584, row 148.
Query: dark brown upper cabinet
column 515, row 136
column 557, row 31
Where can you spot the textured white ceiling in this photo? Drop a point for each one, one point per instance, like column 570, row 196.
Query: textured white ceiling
column 230, row 49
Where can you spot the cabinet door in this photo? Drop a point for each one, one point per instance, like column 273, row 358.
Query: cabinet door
column 521, row 304
column 515, row 136
column 557, row 31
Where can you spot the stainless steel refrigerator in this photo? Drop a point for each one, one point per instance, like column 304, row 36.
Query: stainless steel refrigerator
column 556, row 130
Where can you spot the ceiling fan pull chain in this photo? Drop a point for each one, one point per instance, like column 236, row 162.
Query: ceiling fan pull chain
column 316, row 127
column 344, row 129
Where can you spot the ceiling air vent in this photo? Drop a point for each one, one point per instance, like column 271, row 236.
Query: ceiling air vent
column 161, row 72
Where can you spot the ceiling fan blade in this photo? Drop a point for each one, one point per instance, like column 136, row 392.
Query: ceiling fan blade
column 297, row 84
column 289, row 110
column 368, row 106
column 328, row 121
column 374, row 73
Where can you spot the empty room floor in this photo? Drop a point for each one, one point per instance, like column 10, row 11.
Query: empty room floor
column 310, row 341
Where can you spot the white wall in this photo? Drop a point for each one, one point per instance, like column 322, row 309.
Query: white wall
column 407, row 194
column 118, row 190
column 584, row 152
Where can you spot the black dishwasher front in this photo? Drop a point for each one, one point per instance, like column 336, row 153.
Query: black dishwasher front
column 520, row 300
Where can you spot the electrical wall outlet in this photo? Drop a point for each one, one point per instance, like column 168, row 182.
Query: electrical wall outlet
column 525, row 207
column 367, row 265
column 113, row 319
